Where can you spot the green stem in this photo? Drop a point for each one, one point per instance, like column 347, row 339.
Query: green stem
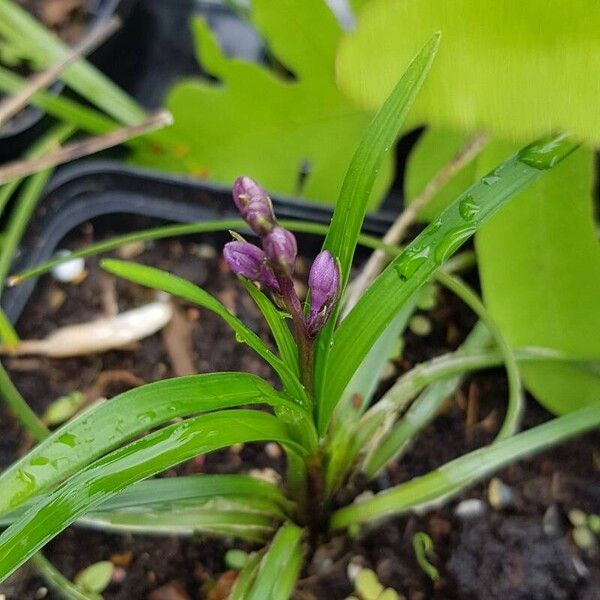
column 514, row 409
column 58, row 582
column 20, row 408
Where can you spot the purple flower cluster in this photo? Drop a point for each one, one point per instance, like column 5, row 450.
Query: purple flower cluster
column 273, row 265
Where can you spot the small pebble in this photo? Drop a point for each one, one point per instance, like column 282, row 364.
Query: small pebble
column 470, row 509
column 236, row 448
column 420, row 325
column 129, row 251
column 577, row 517
column 388, row 371
column 552, row 522
column 273, row 450
column 500, row 495
column 268, row 475
column 354, row 567
column 580, row 567
column 118, row 575
column 584, row 538
column 71, row 271
column 205, row 251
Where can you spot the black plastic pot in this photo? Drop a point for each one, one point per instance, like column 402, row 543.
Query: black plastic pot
column 20, row 132
column 118, row 199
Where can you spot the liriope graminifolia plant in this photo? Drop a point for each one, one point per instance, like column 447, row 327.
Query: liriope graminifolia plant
column 92, row 470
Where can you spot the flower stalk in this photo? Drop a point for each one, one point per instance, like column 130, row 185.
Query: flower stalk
column 272, row 266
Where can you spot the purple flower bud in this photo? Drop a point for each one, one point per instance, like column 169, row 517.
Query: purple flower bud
column 250, row 261
column 281, row 249
column 245, row 259
column 254, row 205
column 324, row 283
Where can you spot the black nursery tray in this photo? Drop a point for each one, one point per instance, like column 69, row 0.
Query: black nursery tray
column 121, row 194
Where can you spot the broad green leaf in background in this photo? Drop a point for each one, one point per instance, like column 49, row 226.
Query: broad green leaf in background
column 514, row 69
column 265, row 123
column 539, row 262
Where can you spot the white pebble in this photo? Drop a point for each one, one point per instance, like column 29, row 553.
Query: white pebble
column 68, row 271
column 469, row 509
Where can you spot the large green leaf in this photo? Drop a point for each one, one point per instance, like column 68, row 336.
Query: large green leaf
column 176, row 286
column 421, row 492
column 259, row 121
column 422, row 257
column 143, row 458
column 515, row 69
column 539, row 262
column 105, row 426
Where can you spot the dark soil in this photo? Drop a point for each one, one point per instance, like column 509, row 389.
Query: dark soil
column 523, row 551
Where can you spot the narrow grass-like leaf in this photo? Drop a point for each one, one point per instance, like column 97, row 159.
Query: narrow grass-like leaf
column 423, row 256
column 143, row 458
column 173, row 520
column 41, row 45
column 246, row 578
column 167, row 231
column 462, row 472
column 277, row 323
column 185, row 489
column 65, row 589
column 60, row 107
column 278, row 562
column 356, row 188
column 176, row 286
column 105, row 426
column 285, row 585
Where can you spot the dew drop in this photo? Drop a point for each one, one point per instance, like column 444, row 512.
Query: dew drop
column 490, row 179
column 452, row 241
column 410, row 261
column 68, row 439
column 546, row 153
column 147, row 417
column 468, row 208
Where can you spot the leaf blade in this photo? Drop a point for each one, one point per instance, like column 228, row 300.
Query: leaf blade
column 140, row 459
column 421, row 258
column 176, row 286
column 105, row 426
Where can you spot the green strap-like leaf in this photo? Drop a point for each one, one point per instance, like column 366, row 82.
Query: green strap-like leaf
column 276, row 321
column 170, row 520
column 277, row 563
column 246, row 578
column 185, row 489
column 423, row 256
column 462, row 472
column 176, row 286
column 351, row 205
column 107, row 425
column 143, row 458
column 20, row 28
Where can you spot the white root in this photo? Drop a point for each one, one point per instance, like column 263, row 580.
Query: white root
column 100, row 335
